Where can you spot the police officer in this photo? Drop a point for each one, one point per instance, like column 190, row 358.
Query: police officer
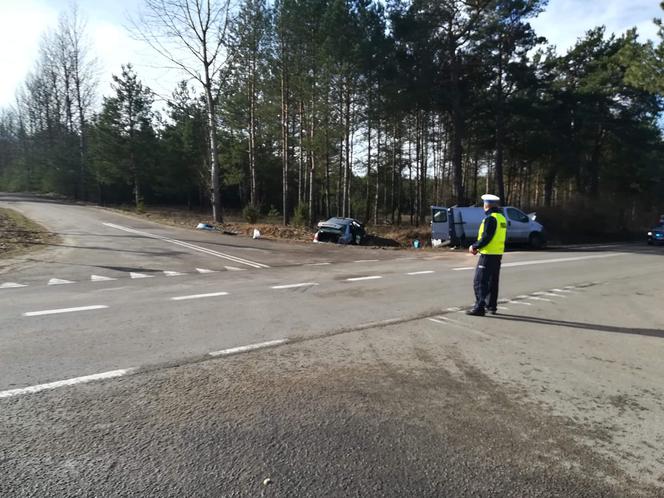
column 491, row 246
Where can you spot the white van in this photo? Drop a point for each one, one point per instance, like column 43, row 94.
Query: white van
column 460, row 225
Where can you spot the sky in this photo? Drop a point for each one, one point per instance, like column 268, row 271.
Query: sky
column 22, row 23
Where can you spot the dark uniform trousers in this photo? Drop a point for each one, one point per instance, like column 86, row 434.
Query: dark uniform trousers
column 487, row 276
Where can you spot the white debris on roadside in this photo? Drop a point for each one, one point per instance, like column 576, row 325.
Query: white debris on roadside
column 257, row 234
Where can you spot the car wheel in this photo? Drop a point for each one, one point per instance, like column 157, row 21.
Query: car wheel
column 536, row 241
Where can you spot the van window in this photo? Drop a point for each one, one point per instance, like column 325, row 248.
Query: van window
column 440, row 215
column 516, row 215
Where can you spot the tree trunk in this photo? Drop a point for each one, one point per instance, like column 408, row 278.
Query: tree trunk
column 284, row 139
column 214, row 160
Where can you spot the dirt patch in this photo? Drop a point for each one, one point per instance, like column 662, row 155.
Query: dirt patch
column 19, row 234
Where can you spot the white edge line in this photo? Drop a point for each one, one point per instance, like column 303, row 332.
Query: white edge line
column 427, row 272
column 294, row 286
column 250, row 347
column 437, row 321
column 359, row 279
column 367, row 261
column 199, row 296
column 65, row 310
column 62, row 383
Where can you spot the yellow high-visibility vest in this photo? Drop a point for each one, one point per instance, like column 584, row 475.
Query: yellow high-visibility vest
column 497, row 245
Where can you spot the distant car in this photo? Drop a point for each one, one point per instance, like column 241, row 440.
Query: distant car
column 340, row 231
column 656, row 235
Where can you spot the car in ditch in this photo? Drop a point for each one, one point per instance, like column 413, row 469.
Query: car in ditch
column 341, row 231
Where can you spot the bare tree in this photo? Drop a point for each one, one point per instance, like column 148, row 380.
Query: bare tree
column 193, row 35
column 80, row 78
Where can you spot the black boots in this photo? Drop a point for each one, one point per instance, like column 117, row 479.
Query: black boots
column 476, row 312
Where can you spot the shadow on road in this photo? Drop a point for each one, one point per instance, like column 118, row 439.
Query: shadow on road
column 580, row 325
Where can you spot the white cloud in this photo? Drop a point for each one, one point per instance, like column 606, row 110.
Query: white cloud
column 21, row 26
column 565, row 21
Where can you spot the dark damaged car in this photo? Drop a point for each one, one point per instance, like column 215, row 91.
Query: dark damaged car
column 341, row 231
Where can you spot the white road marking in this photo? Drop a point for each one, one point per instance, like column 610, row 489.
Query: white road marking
column 449, row 321
column 454, row 309
column 436, row 321
column 535, row 298
column 427, row 272
column 550, row 294
column 563, row 290
column 169, row 273
column 204, row 270
column 199, row 296
column 65, row 310
column 359, row 279
column 59, row 281
column 11, row 285
column 503, row 308
column 520, row 302
column 250, row 347
column 318, row 264
column 547, row 261
column 366, row 261
column 100, row 278
column 233, row 268
column 294, row 286
column 62, row 383
column 139, row 275
column 112, row 289
column 193, row 247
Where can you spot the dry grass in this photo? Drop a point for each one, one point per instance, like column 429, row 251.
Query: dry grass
column 19, row 234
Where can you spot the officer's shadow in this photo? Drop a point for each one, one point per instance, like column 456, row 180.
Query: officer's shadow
column 579, row 325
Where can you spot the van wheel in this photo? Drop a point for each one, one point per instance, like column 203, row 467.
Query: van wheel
column 536, row 241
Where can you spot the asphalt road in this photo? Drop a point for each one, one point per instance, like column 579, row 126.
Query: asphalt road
column 366, row 380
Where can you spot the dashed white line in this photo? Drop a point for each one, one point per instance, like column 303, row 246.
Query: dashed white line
column 199, row 296
column 59, row 281
column 294, row 286
column 250, row 347
column 204, row 270
column 366, row 261
column 443, row 320
column 135, row 275
column 360, row 279
column 100, row 278
column 535, row 298
column 62, row 383
column 65, row 310
column 427, row 272
column 169, row 273
column 550, row 294
column 233, row 268
column 11, row 285
column 319, row 264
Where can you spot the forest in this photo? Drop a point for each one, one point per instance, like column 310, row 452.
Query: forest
column 303, row 109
